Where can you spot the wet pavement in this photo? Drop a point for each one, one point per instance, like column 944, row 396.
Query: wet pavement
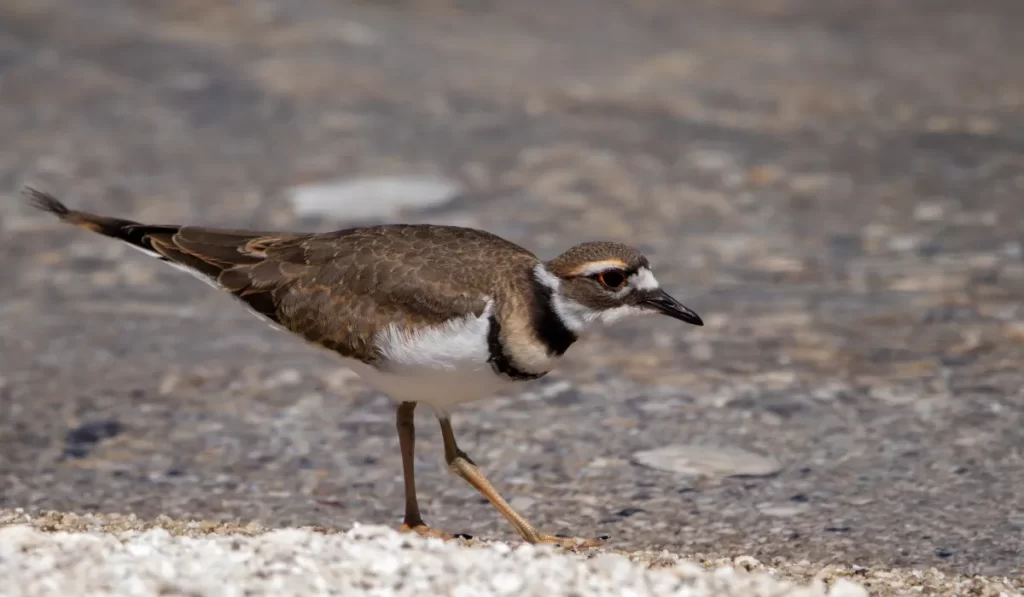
column 837, row 188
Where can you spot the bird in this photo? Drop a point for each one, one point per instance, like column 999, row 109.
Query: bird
column 427, row 314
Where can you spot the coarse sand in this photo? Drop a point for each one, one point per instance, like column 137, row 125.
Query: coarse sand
column 56, row 554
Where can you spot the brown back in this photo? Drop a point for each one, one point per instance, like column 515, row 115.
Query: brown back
column 338, row 289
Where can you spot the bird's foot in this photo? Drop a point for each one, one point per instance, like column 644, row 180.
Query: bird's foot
column 573, row 543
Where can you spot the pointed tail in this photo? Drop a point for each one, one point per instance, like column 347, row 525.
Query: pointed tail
column 133, row 233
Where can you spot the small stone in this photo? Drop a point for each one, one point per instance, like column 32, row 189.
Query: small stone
column 764, row 175
column 712, row 160
column 780, row 264
column 810, row 183
column 80, row 440
column 372, row 198
column 710, row 461
column 1014, row 330
column 612, row 564
column 522, row 503
column 904, row 243
column 781, row 510
column 928, row 212
column 283, row 378
column 507, row 583
column 847, row 588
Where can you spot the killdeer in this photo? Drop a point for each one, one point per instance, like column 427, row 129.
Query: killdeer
column 439, row 315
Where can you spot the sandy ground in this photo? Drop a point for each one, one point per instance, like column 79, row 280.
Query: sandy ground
column 60, row 554
column 834, row 186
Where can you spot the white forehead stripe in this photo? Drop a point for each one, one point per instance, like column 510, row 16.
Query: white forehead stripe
column 644, row 279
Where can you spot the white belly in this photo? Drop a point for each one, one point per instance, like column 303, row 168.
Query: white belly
column 440, row 388
column 442, row 366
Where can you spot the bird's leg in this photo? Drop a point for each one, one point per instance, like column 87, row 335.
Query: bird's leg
column 460, row 464
column 407, row 442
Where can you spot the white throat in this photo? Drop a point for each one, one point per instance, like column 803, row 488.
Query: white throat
column 578, row 317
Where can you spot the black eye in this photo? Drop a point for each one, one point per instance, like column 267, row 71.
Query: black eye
column 612, row 278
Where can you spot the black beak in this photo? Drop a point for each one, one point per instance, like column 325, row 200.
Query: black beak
column 660, row 301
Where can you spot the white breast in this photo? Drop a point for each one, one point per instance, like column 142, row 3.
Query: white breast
column 441, row 365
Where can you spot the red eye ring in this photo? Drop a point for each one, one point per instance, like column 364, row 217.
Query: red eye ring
column 612, row 278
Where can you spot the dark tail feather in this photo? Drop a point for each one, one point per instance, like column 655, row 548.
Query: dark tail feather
column 46, row 202
column 207, row 253
column 133, row 233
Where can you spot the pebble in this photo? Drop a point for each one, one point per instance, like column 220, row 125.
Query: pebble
column 522, row 503
column 371, row 197
column 79, row 441
column 708, row 461
column 929, row 212
column 846, row 588
column 284, row 378
column 782, row 510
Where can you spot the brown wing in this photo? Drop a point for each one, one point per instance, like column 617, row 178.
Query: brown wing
column 236, row 260
column 335, row 289
column 339, row 289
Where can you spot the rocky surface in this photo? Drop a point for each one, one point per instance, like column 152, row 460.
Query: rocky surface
column 835, row 187
column 99, row 555
column 365, row 561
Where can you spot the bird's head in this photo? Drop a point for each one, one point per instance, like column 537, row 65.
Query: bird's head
column 605, row 281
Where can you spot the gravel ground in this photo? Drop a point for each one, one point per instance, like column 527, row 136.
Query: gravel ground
column 94, row 556
column 834, row 186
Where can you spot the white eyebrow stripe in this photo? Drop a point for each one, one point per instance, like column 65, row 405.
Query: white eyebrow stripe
column 644, row 279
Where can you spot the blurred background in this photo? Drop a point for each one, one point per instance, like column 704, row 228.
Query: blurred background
column 835, row 186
